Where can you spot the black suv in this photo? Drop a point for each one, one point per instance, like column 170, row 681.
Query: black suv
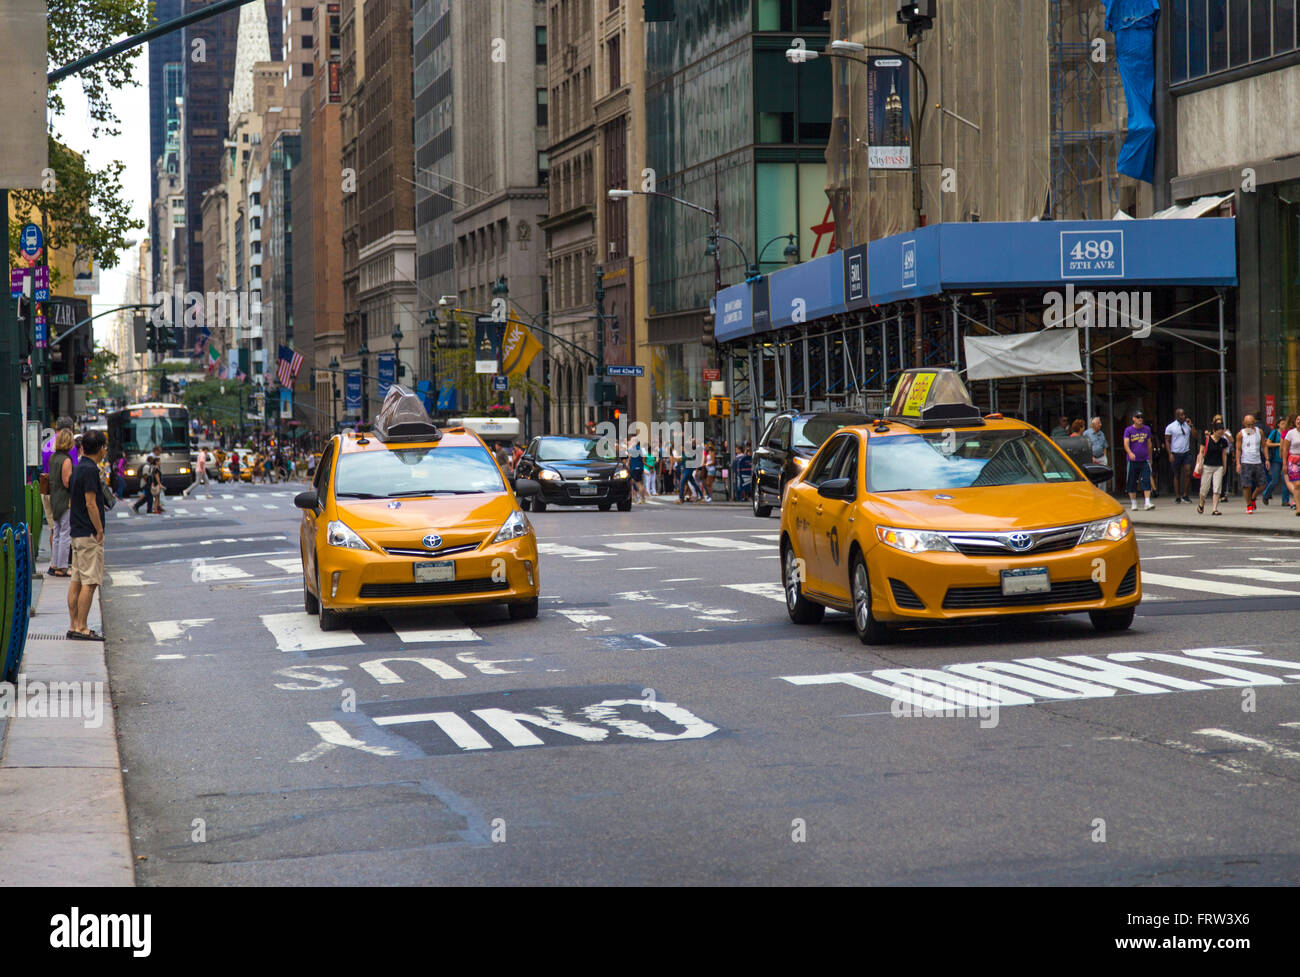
column 787, row 446
column 572, row 470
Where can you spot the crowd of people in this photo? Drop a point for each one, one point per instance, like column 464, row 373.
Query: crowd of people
column 1256, row 459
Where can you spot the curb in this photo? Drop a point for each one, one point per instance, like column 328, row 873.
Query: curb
column 64, row 821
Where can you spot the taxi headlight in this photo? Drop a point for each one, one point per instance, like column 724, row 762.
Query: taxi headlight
column 621, row 473
column 183, row 471
column 515, row 526
column 131, row 472
column 914, row 540
column 548, row 475
column 1110, row 530
column 339, row 534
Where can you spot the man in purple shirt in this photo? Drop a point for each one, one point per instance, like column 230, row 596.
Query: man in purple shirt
column 1137, row 445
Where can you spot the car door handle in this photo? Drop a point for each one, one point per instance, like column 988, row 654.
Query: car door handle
column 819, row 510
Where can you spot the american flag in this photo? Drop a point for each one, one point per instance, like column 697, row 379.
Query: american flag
column 288, row 366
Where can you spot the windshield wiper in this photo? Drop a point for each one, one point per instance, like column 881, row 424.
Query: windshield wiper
column 394, row 495
column 358, row 495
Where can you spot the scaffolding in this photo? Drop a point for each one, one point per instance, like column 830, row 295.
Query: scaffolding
column 1086, row 104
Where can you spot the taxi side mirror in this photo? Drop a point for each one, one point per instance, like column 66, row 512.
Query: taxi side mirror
column 837, row 488
column 525, row 487
column 1097, row 474
column 307, row 500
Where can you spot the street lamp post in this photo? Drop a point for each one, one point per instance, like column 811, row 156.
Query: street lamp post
column 363, row 352
column 334, row 388
column 500, row 290
column 397, row 355
column 600, row 345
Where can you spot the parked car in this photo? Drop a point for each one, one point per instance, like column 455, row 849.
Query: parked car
column 787, row 446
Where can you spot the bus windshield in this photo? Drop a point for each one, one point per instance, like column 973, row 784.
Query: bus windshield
column 144, row 428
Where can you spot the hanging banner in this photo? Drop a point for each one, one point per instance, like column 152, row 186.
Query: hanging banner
column 1023, row 354
column 385, row 374
column 889, row 113
column 487, row 344
column 518, row 349
column 286, row 403
column 352, row 389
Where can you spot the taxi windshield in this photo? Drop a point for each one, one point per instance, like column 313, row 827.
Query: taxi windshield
column 964, row 459
column 453, row 470
column 573, row 449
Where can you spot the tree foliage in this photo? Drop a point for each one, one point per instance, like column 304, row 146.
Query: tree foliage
column 85, row 209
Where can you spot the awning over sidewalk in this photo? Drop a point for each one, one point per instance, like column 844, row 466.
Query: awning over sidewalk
column 985, row 256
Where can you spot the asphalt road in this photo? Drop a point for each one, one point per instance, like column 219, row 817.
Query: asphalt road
column 679, row 729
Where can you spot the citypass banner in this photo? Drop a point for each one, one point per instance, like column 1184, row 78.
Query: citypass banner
column 889, row 113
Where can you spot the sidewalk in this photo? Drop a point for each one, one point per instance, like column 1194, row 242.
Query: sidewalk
column 63, row 818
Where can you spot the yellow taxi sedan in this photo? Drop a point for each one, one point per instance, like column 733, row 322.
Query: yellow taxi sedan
column 935, row 514
column 409, row 515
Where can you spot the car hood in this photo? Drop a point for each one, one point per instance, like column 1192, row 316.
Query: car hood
column 582, row 469
column 458, row 519
column 995, row 508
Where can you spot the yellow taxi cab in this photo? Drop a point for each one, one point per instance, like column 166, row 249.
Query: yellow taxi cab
column 408, row 515
column 936, row 514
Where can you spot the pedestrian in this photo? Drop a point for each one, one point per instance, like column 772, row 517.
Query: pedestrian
column 1291, row 465
column 687, row 463
column 1211, row 458
column 1137, row 445
column 1250, row 460
column 636, row 470
column 1227, row 468
column 1273, row 445
column 1179, row 433
column 119, row 475
column 1076, row 445
column 1062, row 429
column 87, row 531
column 146, row 482
column 156, row 489
column 1097, row 441
column 710, row 466
column 61, row 468
column 234, row 465
column 200, row 474
column 651, row 470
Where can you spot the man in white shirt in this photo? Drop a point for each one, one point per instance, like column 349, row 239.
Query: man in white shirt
column 1250, row 461
column 1179, row 436
column 200, row 474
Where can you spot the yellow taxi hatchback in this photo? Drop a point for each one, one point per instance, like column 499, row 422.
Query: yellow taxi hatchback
column 935, row 514
column 408, row 515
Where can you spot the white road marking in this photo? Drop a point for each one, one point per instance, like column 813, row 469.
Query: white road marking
column 267, row 505
column 719, row 543
column 128, row 578
column 643, row 546
column 1250, row 742
column 1173, row 556
column 1252, row 573
column 770, row 537
column 163, row 658
column 1211, row 588
column 678, row 579
column 239, row 508
column 123, row 515
column 584, row 618
column 438, row 634
column 298, row 631
column 333, row 736
column 772, row 589
column 160, row 546
column 168, row 630
column 461, row 733
column 182, row 512
column 289, row 564
column 638, row 568
column 203, row 572
column 210, row 508
column 559, row 549
column 378, row 669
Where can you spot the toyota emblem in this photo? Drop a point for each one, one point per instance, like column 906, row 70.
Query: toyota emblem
column 1020, row 541
column 432, row 541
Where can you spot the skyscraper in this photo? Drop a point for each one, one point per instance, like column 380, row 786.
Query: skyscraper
column 164, row 75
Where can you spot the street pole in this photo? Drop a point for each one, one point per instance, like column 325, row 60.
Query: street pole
column 600, row 344
column 12, row 504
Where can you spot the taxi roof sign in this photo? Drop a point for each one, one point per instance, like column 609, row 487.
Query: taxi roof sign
column 403, row 418
column 932, row 397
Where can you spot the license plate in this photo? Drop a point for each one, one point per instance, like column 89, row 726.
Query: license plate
column 1031, row 580
column 435, row 571
column 588, row 489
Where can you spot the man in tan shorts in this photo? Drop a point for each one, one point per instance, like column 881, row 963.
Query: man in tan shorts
column 87, row 537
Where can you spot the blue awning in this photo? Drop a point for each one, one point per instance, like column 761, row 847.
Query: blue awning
column 988, row 256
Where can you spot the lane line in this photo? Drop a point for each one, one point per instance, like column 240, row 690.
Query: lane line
column 1211, row 587
column 298, row 631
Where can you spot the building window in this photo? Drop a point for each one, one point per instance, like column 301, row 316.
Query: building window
column 307, row 42
column 542, row 102
column 615, row 68
column 308, row 69
column 1209, row 36
column 541, row 45
column 543, row 168
column 308, row 12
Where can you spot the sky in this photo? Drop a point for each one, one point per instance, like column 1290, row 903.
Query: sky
column 132, row 147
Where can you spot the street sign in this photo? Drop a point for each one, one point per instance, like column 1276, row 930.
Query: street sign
column 41, row 284
column 500, row 384
column 59, row 378
column 625, row 371
column 710, row 374
column 31, row 241
column 16, row 278
column 42, row 335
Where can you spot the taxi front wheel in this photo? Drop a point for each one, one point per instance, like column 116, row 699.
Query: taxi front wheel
column 801, row 609
column 523, row 612
column 1118, row 620
column 870, row 631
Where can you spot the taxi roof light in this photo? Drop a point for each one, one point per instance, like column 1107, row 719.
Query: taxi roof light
column 403, row 418
column 932, row 397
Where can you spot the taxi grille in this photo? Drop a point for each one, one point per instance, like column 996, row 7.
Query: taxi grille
column 445, row 551
column 1066, row 592
column 439, row 588
column 905, row 596
column 1129, row 584
column 994, row 544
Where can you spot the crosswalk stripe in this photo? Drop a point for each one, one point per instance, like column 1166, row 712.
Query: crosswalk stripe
column 765, row 589
column 1217, row 588
column 128, row 578
column 644, row 546
column 559, row 549
column 239, row 508
column 298, row 631
column 203, row 572
column 1252, row 573
column 770, row 537
column 289, row 564
column 437, row 634
column 124, row 515
column 722, row 543
column 268, row 505
column 583, row 617
column 182, row 512
column 210, row 508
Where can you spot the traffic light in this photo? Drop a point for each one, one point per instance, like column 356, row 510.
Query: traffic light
column 151, row 337
column 719, row 406
column 707, row 336
column 918, row 15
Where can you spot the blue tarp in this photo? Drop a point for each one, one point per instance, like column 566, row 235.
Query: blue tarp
column 1133, row 22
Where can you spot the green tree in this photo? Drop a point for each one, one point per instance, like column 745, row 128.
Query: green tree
column 85, row 208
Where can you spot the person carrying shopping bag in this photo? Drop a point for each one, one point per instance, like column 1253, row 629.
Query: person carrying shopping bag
column 1210, row 462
